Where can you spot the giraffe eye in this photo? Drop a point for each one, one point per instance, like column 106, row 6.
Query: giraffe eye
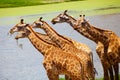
column 39, row 23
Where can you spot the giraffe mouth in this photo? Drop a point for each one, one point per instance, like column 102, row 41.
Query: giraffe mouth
column 53, row 22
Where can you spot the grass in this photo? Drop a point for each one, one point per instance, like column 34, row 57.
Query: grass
column 62, row 79
column 18, row 3
column 95, row 79
column 88, row 7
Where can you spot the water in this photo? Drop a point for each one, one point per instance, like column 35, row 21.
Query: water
column 25, row 63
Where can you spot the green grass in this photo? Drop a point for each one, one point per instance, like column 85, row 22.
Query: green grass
column 95, row 79
column 88, row 7
column 18, row 3
column 62, row 79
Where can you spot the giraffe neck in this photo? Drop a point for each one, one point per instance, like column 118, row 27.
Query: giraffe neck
column 96, row 34
column 58, row 39
column 83, row 32
column 46, row 38
column 38, row 43
column 73, row 22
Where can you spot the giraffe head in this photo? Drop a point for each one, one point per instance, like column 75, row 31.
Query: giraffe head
column 18, row 27
column 21, row 29
column 81, row 23
column 63, row 17
column 38, row 23
column 24, row 33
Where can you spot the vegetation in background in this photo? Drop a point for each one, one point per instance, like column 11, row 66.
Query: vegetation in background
column 18, row 3
column 88, row 7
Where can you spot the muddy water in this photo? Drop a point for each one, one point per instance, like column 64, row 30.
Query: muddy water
column 25, row 62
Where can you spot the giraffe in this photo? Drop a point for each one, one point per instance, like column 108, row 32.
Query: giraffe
column 55, row 60
column 110, row 41
column 68, row 46
column 64, row 17
column 20, row 25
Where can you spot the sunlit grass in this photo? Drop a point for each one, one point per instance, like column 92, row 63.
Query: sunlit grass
column 89, row 7
column 18, row 3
